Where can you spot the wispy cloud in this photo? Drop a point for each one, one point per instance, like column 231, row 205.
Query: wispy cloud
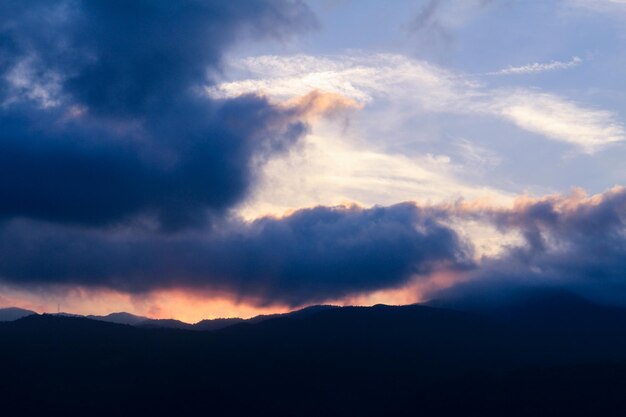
column 361, row 77
column 559, row 119
column 424, row 87
column 538, row 67
column 477, row 156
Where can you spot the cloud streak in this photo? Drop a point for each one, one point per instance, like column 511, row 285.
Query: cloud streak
column 538, row 67
column 561, row 120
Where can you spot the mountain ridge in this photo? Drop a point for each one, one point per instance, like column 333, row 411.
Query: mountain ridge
column 14, row 313
column 367, row 361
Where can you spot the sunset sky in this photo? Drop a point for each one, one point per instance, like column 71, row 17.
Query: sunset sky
column 200, row 159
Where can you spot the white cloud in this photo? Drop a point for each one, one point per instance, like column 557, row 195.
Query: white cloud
column 538, row 67
column 559, row 119
column 360, row 77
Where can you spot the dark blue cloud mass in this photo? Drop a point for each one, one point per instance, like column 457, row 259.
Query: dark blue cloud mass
column 104, row 117
column 310, row 256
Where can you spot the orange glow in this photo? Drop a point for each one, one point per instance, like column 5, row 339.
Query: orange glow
column 318, row 104
column 193, row 306
column 418, row 290
column 561, row 203
column 183, row 305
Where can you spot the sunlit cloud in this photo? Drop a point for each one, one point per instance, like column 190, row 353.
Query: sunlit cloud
column 325, row 169
column 317, row 104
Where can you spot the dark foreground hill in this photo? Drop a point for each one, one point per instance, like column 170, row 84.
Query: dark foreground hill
column 559, row 357
column 11, row 314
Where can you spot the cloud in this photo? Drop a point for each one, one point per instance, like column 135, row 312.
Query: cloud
column 349, row 163
column 101, row 117
column 87, row 175
column 308, row 256
column 318, row 104
column 417, row 85
column 477, row 157
column 562, row 120
column 539, row 67
column 325, row 169
column 575, row 242
column 360, row 77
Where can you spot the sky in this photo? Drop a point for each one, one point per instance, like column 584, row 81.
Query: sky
column 204, row 158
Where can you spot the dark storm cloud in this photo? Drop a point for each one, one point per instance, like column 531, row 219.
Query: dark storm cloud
column 310, row 256
column 124, row 57
column 104, row 118
column 79, row 173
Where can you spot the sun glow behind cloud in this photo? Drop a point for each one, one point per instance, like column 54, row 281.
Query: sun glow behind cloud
column 189, row 306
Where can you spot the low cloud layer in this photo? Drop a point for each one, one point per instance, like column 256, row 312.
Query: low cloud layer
column 312, row 255
column 309, row 256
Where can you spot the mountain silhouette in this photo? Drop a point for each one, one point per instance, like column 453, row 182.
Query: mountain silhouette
column 146, row 322
column 14, row 313
column 517, row 360
column 120, row 318
column 216, row 324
